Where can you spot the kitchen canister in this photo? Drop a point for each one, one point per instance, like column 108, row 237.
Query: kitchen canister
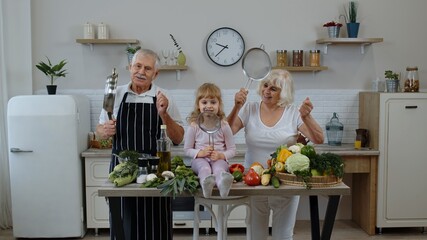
column 297, row 58
column 88, row 31
column 282, row 58
column 412, row 81
column 314, row 58
column 102, row 31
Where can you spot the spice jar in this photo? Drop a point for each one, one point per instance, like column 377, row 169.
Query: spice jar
column 412, row 82
column 314, row 58
column 282, row 58
column 297, row 58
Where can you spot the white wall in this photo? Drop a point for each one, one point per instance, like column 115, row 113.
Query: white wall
column 291, row 24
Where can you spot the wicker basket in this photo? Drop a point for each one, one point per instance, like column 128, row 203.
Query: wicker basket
column 315, row 181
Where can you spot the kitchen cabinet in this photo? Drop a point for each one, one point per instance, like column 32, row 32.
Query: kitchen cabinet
column 96, row 174
column 361, row 41
column 396, row 124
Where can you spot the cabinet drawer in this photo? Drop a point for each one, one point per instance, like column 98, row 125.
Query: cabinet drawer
column 97, row 211
column 96, row 171
column 190, row 224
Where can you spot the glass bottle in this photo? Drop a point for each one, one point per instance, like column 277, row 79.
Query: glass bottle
column 163, row 151
column 412, row 81
column 142, row 170
column 334, row 131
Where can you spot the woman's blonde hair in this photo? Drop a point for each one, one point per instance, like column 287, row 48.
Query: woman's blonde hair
column 283, row 80
column 206, row 90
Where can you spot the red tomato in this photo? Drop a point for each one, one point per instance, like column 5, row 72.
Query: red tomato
column 236, row 167
column 252, row 178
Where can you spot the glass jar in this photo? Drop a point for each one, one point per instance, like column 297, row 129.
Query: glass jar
column 412, row 81
column 334, row 131
column 314, row 58
column 297, row 58
column 282, row 58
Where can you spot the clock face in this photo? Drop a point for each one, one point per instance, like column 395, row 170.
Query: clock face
column 225, row 46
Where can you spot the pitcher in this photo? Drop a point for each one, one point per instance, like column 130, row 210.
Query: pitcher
column 362, row 135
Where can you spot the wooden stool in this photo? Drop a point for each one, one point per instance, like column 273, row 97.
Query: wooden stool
column 225, row 206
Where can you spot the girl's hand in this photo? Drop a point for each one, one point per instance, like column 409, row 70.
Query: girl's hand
column 215, row 155
column 206, row 152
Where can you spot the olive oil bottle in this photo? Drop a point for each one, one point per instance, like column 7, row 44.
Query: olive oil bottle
column 163, row 151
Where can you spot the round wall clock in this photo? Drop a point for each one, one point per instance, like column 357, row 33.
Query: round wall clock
column 225, row 46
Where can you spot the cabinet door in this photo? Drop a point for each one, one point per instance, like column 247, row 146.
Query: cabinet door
column 96, row 171
column 406, row 163
column 97, row 209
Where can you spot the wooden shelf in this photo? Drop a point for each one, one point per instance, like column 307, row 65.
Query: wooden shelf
column 107, row 41
column 176, row 68
column 362, row 41
column 172, row 68
column 90, row 42
column 302, row 69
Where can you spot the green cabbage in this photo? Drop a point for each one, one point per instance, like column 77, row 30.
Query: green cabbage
column 297, row 162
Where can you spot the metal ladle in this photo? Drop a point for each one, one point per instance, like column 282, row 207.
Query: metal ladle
column 210, row 123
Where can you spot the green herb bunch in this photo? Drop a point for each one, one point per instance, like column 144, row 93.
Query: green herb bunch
column 185, row 179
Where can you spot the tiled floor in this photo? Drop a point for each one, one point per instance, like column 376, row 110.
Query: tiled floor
column 343, row 230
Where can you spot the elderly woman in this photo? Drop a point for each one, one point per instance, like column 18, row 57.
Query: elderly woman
column 273, row 121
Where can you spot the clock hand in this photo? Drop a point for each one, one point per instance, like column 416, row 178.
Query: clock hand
column 223, row 47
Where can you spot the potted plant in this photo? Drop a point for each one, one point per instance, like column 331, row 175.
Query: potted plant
column 351, row 19
column 392, row 81
column 52, row 72
column 333, row 28
column 131, row 51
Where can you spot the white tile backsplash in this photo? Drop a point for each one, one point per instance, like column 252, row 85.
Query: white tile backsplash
column 342, row 101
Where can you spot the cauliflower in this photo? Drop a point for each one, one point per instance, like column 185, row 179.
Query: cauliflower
column 297, row 162
column 295, row 149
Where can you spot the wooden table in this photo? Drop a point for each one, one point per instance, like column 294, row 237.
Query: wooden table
column 363, row 165
column 239, row 189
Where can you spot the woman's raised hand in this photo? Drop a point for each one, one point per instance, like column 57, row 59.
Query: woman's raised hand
column 240, row 97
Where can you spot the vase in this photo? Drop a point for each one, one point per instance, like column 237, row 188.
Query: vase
column 51, row 89
column 130, row 56
column 181, row 59
column 392, row 85
column 353, row 29
column 334, row 31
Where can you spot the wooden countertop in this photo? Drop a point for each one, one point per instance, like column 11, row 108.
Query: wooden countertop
column 343, row 150
column 238, row 189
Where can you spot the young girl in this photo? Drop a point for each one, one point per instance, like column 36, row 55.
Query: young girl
column 210, row 162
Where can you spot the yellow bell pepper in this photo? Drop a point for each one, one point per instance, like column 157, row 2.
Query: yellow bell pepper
column 283, row 155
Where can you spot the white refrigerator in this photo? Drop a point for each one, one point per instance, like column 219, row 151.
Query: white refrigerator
column 46, row 135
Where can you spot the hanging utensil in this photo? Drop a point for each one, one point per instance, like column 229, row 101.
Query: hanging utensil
column 256, row 65
column 110, row 93
column 210, row 123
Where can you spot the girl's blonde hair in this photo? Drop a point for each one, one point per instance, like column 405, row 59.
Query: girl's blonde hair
column 207, row 90
column 283, row 80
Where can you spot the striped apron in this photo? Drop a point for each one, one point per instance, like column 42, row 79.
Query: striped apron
column 137, row 128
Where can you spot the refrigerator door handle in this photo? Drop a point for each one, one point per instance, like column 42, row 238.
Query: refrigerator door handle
column 18, row 150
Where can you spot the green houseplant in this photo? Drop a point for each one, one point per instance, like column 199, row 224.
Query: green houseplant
column 131, row 51
column 392, row 81
column 351, row 19
column 52, row 72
